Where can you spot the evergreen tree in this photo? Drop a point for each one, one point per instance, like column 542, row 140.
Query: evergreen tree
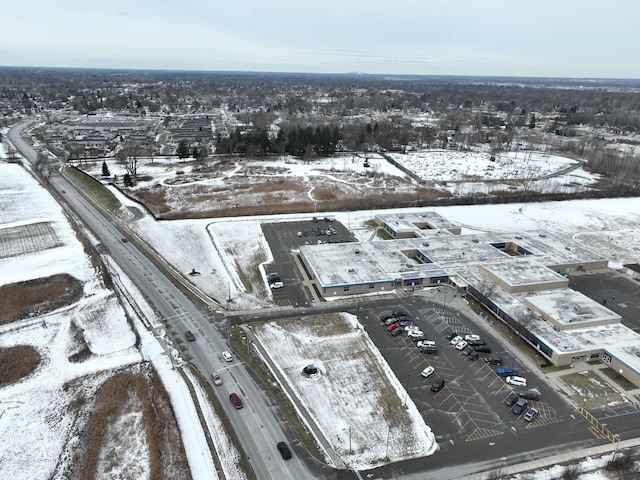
column 105, row 169
column 182, row 151
column 127, row 180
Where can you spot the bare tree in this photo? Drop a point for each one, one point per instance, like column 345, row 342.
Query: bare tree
column 129, row 157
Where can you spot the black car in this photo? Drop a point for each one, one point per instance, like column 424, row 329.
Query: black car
column 419, row 338
column 474, row 356
column 385, row 316
column 397, row 313
column 476, row 342
column 397, row 331
column 437, row 385
column 467, row 351
column 511, row 399
column 451, row 335
column 520, row 406
column 493, row 360
column 531, row 394
column 283, row 448
column 483, row 349
column 428, row 349
column 273, row 277
column 190, row 336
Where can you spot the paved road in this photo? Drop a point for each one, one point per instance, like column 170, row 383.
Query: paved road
column 257, row 424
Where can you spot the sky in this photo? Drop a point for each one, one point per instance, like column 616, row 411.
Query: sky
column 545, row 38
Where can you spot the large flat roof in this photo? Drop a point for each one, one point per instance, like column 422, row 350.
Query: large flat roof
column 570, row 309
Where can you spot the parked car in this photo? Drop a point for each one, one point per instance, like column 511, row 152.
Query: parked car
column 467, row 351
column 511, row 399
column 425, row 343
column 517, row 381
column 476, row 343
column 471, row 337
column 506, row 372
column 397, row 331
column 427, row 349
column 276, row 285
column 390, row 320
column 418, row 338
column 235, row 399
column 531, row 414
column 397, row 313
column 457, row 339
column 216, row 379
column 482, row 348
column 493, row 360
column 190, row 336
column 474, row 355
column 283, row 448
column 427, row 372
column 392, row 327
column 461, row 345
column 531, row 394
column 451, row 335
column 520, row 406
column 437, row 385
column 273, row 277
column 415, row 333
column 385, row 316
column 405, row 323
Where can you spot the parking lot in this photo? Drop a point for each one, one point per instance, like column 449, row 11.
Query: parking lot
column 283, row 237
column 470, row 407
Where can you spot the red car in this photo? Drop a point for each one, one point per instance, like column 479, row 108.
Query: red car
column 235, row 399
column 392, row 327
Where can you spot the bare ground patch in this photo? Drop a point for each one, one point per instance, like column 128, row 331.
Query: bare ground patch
column 37, row 297
column 130, row 399
column 17, row 362
column 593, row 391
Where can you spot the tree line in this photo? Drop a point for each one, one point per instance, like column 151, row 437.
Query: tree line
column 298, row 141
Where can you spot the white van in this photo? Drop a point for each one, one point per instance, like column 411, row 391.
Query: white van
column 517, row 381
column 227, row 356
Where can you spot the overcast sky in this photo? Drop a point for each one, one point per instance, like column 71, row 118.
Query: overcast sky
column 537, row 38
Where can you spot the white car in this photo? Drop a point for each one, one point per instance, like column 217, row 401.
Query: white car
column 216, row 379
column 461, row 345
column 415, row 333
column 456, row 340
column 471, row 337
column 276, row 285
column 427, row 372
column 426, row 343
column 517, row 381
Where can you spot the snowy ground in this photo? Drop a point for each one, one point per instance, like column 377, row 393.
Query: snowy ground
column 39, row 406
